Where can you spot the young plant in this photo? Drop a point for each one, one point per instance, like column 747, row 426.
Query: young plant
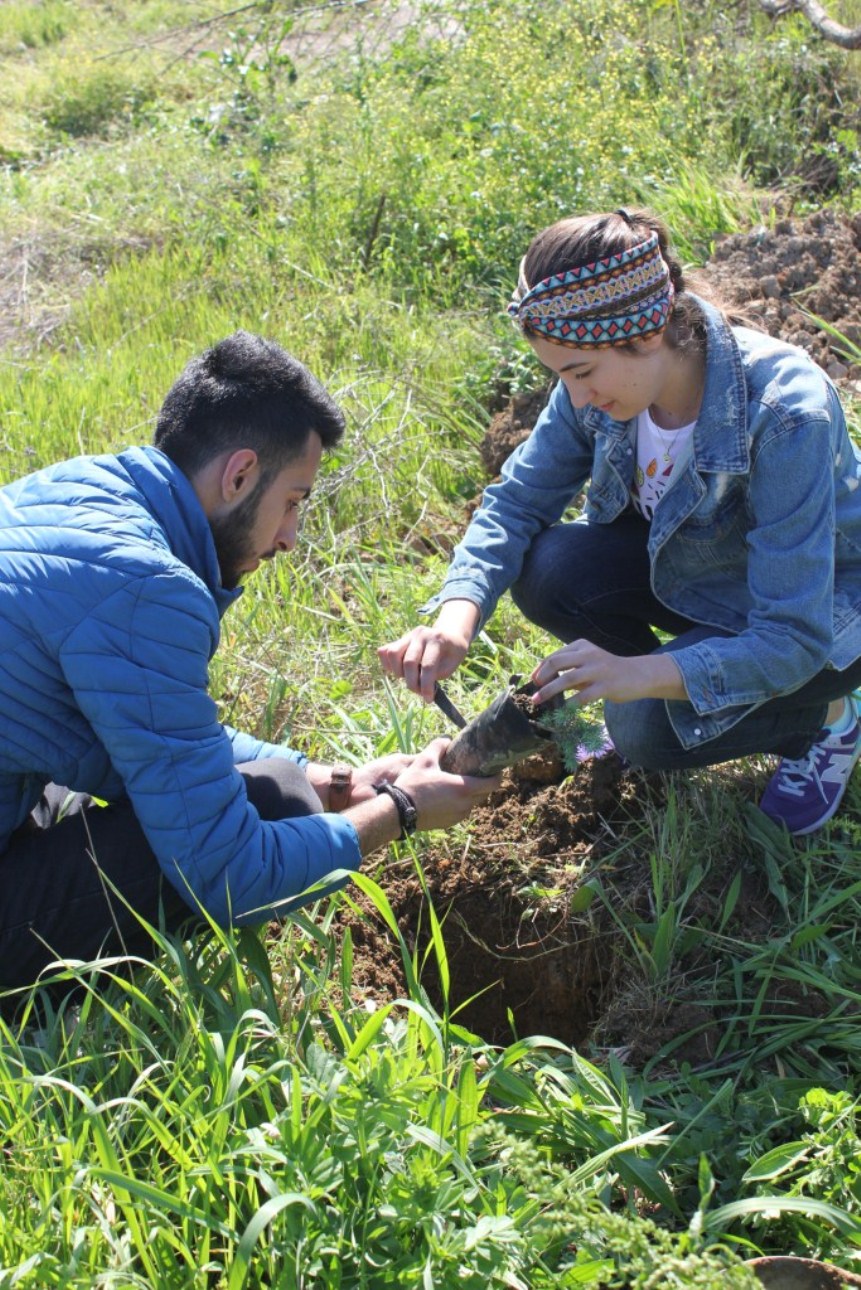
column 578, row 731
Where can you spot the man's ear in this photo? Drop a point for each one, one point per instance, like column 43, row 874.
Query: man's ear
column 239, row 474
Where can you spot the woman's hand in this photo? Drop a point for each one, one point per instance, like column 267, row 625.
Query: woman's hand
column 425, row 655
column 597, row 674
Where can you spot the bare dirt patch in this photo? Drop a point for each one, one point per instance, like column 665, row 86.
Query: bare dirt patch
column 24, row 315
column 42, row 272
column 532, row 949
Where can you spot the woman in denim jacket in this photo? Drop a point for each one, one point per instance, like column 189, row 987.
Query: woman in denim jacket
column 722, row 508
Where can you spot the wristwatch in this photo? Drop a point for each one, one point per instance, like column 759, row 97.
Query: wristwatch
column 407, row 813
column 340, row 786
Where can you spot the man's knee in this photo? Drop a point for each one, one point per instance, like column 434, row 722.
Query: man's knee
column 279, row 788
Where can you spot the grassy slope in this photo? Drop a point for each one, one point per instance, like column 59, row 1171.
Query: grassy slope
column 368, row 215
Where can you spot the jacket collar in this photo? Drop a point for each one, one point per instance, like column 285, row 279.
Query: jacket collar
column 720, row 440
column 176, row 507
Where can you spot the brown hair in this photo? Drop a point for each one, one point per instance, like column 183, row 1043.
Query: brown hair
column 583, row 239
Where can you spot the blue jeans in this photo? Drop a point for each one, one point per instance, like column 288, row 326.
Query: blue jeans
column 591, row 582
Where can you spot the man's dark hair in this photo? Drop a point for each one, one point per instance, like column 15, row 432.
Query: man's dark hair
column 245, row 392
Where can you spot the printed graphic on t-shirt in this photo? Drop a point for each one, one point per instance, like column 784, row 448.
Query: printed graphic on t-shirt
column 657, row 453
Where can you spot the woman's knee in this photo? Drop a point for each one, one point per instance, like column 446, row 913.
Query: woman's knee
column 529, row 592
column 642, row 734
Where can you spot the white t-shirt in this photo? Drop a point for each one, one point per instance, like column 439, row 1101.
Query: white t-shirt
column 657, row 453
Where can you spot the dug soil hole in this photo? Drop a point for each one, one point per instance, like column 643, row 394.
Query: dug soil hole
column 523, row 958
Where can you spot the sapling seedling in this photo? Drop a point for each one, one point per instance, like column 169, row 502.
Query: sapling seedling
column 577, row 731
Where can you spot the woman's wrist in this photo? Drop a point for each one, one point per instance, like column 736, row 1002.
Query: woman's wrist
column 660, row 677
column 459, row 617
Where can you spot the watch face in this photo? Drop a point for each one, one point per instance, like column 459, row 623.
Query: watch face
column 340, row 785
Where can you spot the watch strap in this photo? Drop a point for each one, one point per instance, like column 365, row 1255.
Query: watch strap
column 340, row 786
column 407, row 813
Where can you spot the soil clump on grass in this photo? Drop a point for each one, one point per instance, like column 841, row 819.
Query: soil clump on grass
column 533, row 902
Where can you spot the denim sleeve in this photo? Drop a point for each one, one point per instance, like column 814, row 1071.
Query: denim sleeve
column 538, row 482
column 790, row 550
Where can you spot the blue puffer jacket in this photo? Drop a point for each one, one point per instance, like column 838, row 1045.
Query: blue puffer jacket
column 110, row 602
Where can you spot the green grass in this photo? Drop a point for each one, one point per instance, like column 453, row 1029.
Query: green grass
column 201, row 1125
column 230, row 1117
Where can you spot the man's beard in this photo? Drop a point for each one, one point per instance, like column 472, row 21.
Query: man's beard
column 233, row 539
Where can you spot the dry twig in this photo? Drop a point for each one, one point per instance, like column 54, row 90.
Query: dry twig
column 815, row 13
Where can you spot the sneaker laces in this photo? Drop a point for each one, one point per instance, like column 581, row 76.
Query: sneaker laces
column 794, row 776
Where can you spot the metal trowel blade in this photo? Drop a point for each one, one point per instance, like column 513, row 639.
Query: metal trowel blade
column 445, row 705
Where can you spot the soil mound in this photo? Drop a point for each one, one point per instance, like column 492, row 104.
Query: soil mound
column 787, row 277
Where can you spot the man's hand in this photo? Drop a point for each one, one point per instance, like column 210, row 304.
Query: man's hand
column 441, row 799
column 384, row 770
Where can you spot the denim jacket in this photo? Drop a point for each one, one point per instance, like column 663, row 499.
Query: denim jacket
column 758, row 534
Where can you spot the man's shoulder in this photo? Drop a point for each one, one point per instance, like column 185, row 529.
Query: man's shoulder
column 117, row 517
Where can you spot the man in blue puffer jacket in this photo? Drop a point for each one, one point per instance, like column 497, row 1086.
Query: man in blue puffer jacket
column 114, row 574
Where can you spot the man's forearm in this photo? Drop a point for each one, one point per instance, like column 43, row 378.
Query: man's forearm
column 377, row 823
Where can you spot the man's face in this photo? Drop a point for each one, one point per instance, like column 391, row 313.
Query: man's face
column 264, row 521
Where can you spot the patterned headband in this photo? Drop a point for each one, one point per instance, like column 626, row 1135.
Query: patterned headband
column 606, row 303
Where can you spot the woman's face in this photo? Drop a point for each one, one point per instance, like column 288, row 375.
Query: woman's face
column 613, row 380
